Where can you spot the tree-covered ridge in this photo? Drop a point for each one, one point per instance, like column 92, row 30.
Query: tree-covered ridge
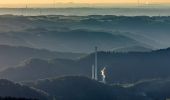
column 83, row 88
column 12, row 89
column 13, row 98
column 121, row 67
column 14, row 55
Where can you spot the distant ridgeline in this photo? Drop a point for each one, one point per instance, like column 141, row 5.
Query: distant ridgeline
column 82, row 33
column 121, row 67
column 14, row 55
column 148, row 10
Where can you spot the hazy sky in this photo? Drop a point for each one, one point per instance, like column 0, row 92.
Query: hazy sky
column 79, row 1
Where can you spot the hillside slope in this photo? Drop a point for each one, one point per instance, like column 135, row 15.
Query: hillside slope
column 10, row 89
column 82, row 88
column 13, row 55
column 158, row 89
column 121, row 67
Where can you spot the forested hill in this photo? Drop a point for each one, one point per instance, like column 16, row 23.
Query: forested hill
column 10, row 89
column 121, row 67
column 82, row 88
column 14, row 55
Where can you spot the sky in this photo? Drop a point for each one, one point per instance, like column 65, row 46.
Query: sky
column 79, row 1
column 75, row 3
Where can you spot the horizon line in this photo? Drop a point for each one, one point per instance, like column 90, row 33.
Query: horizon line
column 85, row 5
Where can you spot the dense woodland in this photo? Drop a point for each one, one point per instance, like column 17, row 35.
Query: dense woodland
column 13, row 98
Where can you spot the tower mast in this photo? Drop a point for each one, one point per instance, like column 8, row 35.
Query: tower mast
column 93, row 73
column 96, row 69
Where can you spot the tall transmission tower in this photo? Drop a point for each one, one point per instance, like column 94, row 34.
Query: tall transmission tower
column 93, row 72
column 96, row 66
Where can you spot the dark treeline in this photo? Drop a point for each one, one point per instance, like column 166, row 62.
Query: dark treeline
column 13, row 98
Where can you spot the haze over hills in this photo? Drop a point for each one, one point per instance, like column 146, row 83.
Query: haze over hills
column 132, row 49
column 34, row 50
column 133, row 66
column 68, row 33
column 127, row 10
column 79, row 40
column 14, row 55
column 48, row 53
